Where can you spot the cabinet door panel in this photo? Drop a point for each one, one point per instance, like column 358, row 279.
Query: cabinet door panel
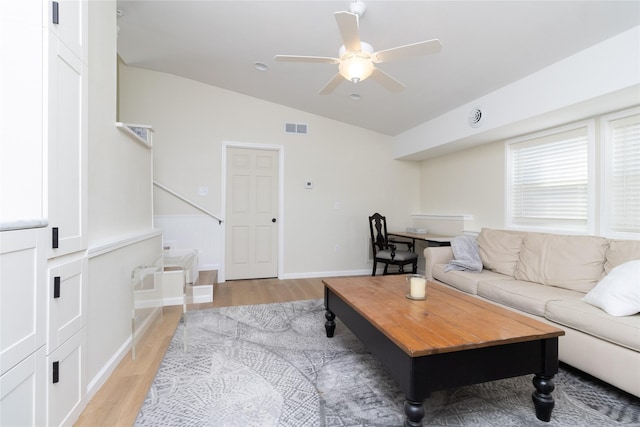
column 67, row 303
column 22, row 394
column 21, row 111
column 72, row 16
column 65, row 397
column 22, row 297
column 67, row 149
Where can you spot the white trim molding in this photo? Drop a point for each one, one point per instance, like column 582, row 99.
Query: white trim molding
column 319, row 274
column 142, row 134
column 444, row 217
column 108, row 245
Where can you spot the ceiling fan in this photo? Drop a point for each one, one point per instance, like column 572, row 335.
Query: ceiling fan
column 356, row 59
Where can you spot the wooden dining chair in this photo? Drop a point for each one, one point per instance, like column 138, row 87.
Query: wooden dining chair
column 385, row 251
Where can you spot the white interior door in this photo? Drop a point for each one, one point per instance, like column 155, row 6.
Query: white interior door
column 251, row 213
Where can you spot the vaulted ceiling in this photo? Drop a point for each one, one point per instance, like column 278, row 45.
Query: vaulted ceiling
column 486, row 45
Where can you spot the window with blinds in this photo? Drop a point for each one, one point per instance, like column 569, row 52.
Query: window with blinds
column 550, row 183
column 621, row 174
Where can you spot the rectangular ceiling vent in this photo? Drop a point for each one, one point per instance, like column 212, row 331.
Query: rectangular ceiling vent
column 296, row 128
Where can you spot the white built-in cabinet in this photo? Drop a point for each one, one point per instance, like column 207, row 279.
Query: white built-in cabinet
column 22, row 327
column 67, row 127
column 66, row 340
column 22, row 106
column 67, row 207
column 43, row 211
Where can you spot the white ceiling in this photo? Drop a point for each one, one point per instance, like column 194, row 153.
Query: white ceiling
column 487, row 45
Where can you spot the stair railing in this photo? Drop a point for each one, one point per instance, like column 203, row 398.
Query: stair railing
column 187, row 201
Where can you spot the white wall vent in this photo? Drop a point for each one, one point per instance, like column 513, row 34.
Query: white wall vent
column 475, row 117
column 296, row 128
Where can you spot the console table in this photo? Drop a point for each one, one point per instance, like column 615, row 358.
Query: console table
column 430, row 239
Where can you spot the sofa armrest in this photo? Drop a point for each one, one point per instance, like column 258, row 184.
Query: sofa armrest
column 436, row 255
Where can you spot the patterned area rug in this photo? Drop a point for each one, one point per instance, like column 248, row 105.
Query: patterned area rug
column 272, row 365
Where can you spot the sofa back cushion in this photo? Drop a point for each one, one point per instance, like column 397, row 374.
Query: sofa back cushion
column 570, row 262
column 619, row 252
column 499, row 250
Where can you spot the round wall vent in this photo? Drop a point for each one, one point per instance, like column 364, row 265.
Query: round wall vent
column 475, row 117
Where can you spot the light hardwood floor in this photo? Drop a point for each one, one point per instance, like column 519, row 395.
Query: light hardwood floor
column 118, row 402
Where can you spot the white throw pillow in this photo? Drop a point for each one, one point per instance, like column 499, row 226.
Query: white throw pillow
column 618, row 293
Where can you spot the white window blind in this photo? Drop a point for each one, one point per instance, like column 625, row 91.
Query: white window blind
column 621, row 171
column 548, row 180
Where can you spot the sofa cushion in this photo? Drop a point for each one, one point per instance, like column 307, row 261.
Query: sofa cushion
column 529, row 297
column 571, row 262
column 576, row 314
column 466, row 281
column 618, row 293
column 499, row 250
column 619, row 252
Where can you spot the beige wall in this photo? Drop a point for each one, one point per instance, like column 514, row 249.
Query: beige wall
column 346, row 164
column 467, row 182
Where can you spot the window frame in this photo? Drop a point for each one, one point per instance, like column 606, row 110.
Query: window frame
column 606, row 153
column 590, row 223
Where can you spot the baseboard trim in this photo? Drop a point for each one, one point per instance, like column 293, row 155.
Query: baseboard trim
column 103, row 374
column 173, row 301
column 317, row 274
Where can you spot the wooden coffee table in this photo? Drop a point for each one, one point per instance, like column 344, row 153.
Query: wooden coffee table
column 449, row 340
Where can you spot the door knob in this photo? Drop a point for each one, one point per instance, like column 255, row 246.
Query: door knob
column 273, row 220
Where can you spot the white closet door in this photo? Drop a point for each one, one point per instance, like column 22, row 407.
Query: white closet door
column 252, row 214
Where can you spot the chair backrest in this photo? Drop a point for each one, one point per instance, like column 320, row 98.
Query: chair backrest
column 378, row 228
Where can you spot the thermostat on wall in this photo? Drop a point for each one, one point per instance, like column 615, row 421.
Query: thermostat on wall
column 308, row 184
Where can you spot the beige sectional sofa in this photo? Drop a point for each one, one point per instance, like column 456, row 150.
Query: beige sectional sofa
column 546, row 276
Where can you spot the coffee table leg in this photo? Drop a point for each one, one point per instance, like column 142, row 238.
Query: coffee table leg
column 414, row 412
column 542, row 399
column 330, row 325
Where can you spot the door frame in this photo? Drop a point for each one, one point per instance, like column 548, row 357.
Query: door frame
column 280, row 223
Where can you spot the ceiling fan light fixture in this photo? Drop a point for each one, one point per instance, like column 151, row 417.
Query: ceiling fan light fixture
column 355, row 67
column 357, row 7
column 356, row 59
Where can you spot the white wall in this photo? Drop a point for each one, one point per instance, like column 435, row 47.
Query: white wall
column 346, row 164
column 110, row 304
column 119, row 168
column 472, row 182
column 354, row 167
column 464, row 170
column 604, row 77
column 119, row 206
column 197, row 231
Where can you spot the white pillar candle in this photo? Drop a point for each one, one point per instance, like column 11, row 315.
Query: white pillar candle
column 418, row 287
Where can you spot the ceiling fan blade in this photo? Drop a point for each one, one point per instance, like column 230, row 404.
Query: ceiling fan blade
column 349, row 29
column 331, row 85
column 407, row 51
column 387, row 81
column 295, row 58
